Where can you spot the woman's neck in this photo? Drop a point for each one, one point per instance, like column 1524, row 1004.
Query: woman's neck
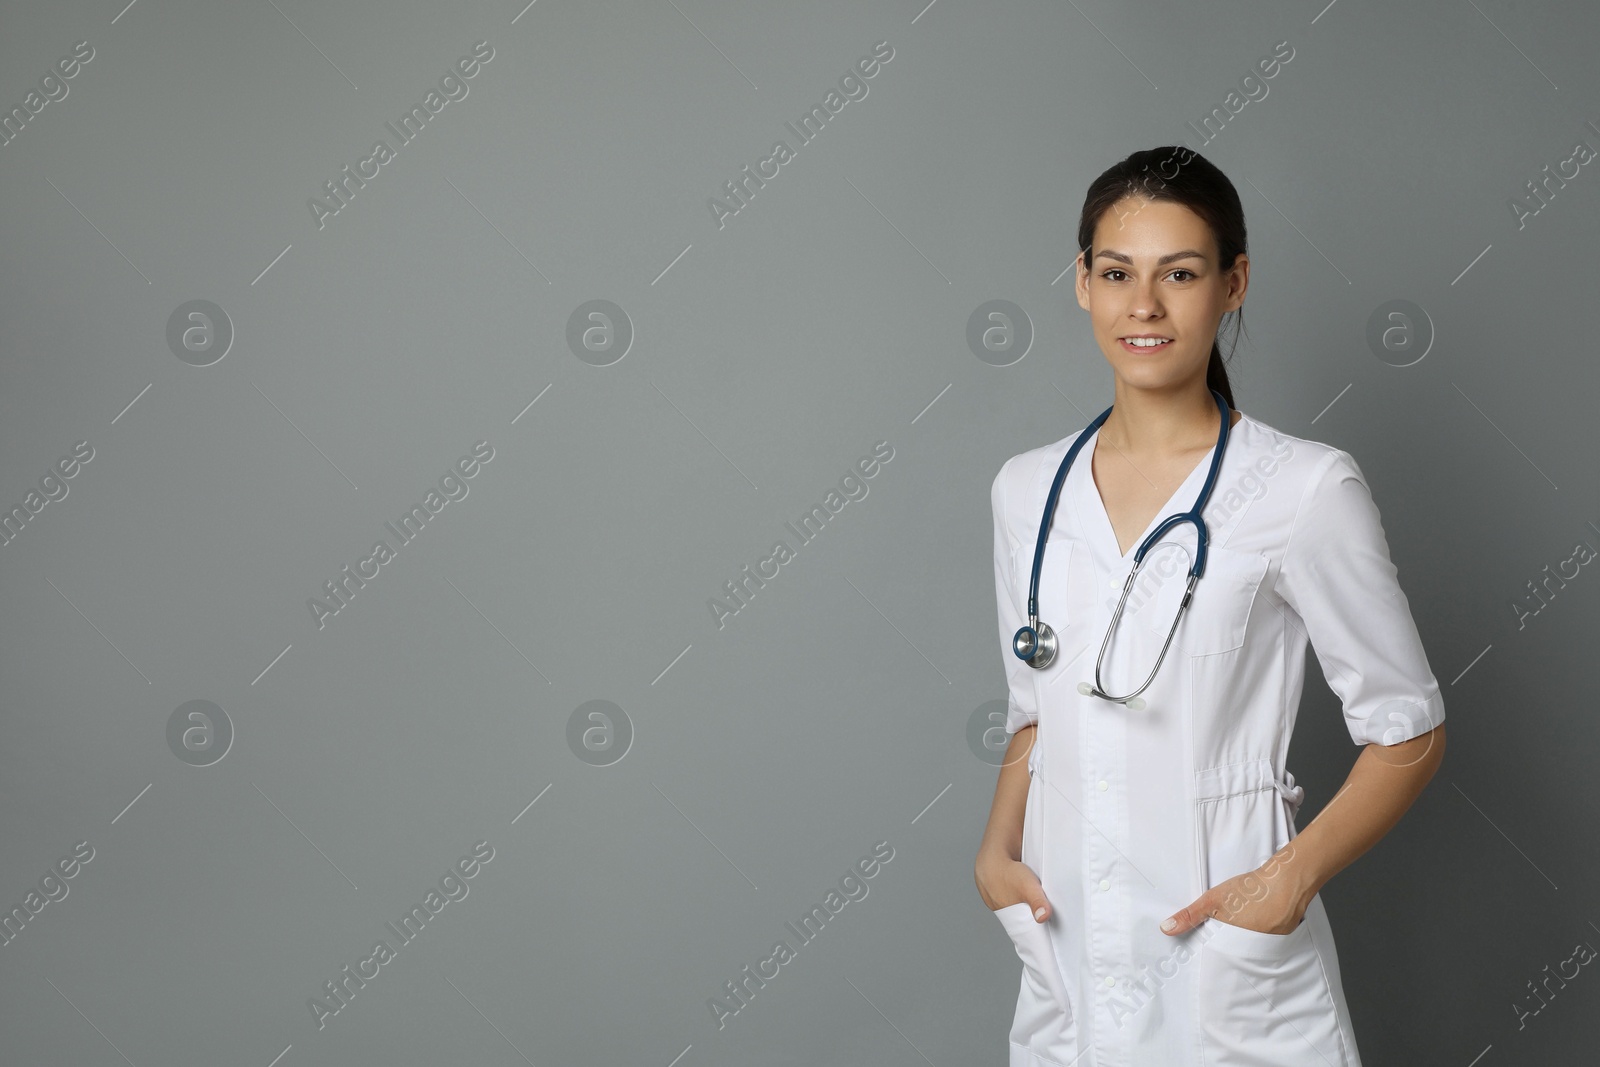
column 1147, row 423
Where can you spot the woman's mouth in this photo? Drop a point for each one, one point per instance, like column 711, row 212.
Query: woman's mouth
column 1143, row 346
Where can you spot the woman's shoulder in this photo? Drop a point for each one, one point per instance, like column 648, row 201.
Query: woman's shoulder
column 1279, row 479
column 1025, row 464
column 1019, row 476
column 1304, row 459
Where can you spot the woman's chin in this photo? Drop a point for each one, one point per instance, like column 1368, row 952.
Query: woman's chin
column 1158, row 377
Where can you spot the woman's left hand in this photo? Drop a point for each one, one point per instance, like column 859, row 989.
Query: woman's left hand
column 1268, row 900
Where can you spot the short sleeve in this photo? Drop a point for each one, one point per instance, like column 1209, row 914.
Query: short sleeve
column 1337, row 575
column 1023, row 704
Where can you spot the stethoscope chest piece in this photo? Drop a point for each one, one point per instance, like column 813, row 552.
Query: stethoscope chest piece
column 1035, row 644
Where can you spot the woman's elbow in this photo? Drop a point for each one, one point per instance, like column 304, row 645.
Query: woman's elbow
column 1433, row 754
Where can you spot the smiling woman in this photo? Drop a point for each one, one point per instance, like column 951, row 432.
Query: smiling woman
column 1129, row 833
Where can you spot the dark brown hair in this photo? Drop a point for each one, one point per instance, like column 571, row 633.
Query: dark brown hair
column 1183, row 176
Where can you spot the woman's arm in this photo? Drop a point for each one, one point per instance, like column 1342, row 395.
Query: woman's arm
column 1384, row 782
column 1003, row 879
column 1337, row 577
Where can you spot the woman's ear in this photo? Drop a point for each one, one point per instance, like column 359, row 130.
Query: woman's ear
column 1238, row 282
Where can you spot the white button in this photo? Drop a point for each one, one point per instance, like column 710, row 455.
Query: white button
column 1104, row 885
column 1110, row 980
column 1104, row 785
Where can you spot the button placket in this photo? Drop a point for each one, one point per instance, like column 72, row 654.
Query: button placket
column 1102, row 738
column 1102, row 814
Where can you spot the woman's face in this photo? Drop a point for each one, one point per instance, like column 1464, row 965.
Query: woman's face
column 1155, row 273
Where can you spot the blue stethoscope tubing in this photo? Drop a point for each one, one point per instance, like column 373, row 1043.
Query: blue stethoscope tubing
column 1035, row 644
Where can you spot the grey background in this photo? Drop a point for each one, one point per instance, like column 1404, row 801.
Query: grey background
column 769, row 355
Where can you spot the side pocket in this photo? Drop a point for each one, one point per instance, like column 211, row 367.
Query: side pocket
column 1043, row 1025
column 1265, row 1000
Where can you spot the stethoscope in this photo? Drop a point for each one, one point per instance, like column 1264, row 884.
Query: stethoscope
column 1035, row 644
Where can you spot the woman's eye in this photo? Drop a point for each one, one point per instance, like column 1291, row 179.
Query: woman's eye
column 1107, row 275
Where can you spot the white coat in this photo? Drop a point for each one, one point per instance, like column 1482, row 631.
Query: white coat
column 1131, row 815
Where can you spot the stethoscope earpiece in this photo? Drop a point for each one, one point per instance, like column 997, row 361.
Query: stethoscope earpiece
column 1132, row 703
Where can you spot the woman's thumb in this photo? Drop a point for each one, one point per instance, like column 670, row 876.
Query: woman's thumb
column 1033, row 893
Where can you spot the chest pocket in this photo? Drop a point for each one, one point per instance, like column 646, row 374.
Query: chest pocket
column 1066, row 592
column 1219, row 614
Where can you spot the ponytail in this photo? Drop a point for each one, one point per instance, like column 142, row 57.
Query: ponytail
column 1217, row 374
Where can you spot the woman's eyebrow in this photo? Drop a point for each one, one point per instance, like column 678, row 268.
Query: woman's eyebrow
column 1187, row 253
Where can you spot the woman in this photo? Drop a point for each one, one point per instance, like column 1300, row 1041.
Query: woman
column 1143, row 855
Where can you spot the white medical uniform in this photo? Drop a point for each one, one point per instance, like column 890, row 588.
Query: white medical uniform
column 1131, row 815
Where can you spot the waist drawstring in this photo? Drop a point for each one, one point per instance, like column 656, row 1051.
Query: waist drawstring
column 1294, row 794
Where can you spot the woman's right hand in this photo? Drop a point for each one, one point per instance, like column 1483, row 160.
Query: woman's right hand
column 1003, row 881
